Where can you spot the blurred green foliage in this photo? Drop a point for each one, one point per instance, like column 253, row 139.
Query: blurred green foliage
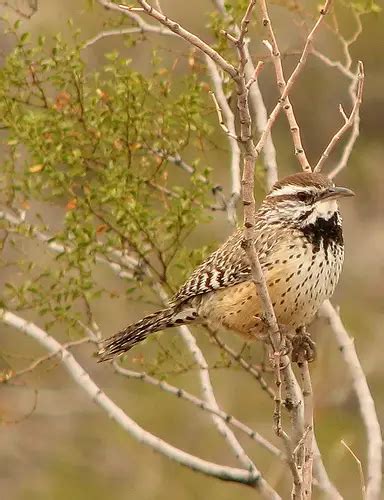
column 364, row 6
column 96, row 143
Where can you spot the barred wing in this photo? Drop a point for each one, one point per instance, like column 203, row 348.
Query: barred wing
column 227, row 266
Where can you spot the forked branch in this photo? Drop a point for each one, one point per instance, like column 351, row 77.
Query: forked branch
column 348, row 120
column 284, row 87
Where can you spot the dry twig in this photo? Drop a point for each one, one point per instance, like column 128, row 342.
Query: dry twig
column 257, row 103
column 307, row 445
column 281, row 83
column 345, row 69
column 227, row 122
column 11, row 375
column 348, row 122
column 255, row 372
column 203, row 405
column 360, row 467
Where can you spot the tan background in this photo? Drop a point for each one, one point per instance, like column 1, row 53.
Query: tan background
column 69, row 449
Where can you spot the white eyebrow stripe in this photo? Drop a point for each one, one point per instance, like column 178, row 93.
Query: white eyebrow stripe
column 291, row 189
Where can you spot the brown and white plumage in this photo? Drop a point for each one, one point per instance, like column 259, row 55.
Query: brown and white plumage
column 298, row 237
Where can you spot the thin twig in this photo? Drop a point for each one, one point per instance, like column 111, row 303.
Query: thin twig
column 333, row 64
column 177, row 160
column 209, row 395
column 179, row 30
column 297, row 492
column 59, row 248
column 245, row 22
column 122, row 31
column 11, row 375
column 255, row 74
column 222, row 123
column 229, row 120
column 345, row 69
column 281, row 83
column 360, row 467
column 307, row 464
column 247, row 366
column 348, row 122
column 301, row 442
column 203, row 405
column 257, row 103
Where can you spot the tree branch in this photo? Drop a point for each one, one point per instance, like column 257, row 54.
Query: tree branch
column 11, row 375
column 207, row 389
column 257, row 103
column 348, row 122
column 250, row 155
column 203, row 405
column 229, row 121
column 179, row 30
column 281, row 83
column 364, row 396
column 59, row 248
column 256, row 373
column 83, row 380
column 345, row 69
column 150, row 28
column 308, row 453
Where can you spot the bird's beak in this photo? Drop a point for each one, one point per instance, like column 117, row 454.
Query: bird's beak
column 334, row 193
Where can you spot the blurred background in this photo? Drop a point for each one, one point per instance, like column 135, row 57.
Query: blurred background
column 67, row 447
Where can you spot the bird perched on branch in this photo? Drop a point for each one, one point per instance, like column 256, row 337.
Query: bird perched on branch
column 299, row 242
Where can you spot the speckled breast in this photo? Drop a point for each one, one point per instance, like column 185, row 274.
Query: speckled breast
column 300, row 277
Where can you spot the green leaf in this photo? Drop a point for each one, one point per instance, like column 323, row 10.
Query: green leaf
column 24, row 37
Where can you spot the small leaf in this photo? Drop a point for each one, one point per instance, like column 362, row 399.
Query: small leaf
column 24, row 37
column 62, row 100
column 36, row 168
column 101, row 228
column 72, row 204
column 103, row 95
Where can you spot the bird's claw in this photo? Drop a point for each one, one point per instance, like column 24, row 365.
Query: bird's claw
column 303, row 347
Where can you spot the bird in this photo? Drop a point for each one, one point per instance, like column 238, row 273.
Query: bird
column 299, row 241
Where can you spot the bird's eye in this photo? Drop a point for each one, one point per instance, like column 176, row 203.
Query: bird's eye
column 302, row 196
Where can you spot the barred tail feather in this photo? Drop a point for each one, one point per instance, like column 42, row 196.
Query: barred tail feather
column 137, row 332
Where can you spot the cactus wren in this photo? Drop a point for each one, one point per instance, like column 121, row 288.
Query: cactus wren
column 300, row 246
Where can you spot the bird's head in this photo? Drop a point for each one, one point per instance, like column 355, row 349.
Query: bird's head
column 303, row 198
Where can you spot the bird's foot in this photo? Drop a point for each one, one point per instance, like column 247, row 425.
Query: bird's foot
column 303, row 347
